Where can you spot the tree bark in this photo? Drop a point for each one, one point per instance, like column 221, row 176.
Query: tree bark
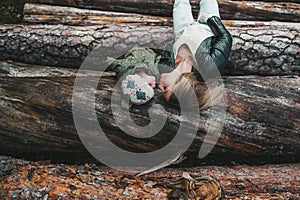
column 258, row 48
column 261, row 126
column 40, row 179
column 47, row 14
column 238, row 10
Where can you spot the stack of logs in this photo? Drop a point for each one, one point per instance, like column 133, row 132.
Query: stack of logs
column 40, row 59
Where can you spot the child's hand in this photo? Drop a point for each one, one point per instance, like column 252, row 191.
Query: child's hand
column 151, row 80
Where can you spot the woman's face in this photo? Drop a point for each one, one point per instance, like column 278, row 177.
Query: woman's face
column 183, row 64
column 177, row 61
column 169, row 80
column 168, row 93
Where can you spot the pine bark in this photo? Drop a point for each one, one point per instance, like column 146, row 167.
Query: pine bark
column 238, row 10
column 29, row 180
column 258, row 48
column 261, row 126
column 48, row 14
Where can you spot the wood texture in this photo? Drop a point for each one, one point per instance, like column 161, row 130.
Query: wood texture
column 47, row 14
column 238, row 10
column 258, row 48
column 26, row 180
column 262, row 123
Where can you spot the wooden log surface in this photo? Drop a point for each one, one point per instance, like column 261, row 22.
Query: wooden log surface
column 258, row 48
column 237, row 10
column 48, row 14
column 261, row 126
column 22, row 179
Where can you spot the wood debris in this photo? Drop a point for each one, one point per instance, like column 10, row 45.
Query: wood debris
column 43, row 180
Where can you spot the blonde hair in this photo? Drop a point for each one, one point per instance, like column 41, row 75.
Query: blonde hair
column 208, row 94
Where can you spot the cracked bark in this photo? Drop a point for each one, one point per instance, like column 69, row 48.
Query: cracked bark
column 261, row 126
column 65, row 181
column 258, row 48
column 239, row 10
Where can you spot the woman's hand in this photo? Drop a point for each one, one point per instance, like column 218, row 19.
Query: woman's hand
column 183, row 65
column 167, row 82
column 166, row 85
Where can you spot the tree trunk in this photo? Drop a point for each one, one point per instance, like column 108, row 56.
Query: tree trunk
column 47, row 14
column 238, row 10
column 258, row 48
column 41, row 179
column 261, row 126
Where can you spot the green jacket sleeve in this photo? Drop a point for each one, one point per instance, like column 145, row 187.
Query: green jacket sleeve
column 135, row 61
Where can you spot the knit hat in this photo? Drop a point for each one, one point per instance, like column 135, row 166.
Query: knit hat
column 137, row 88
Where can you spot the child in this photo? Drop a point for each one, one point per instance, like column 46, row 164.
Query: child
column 137, row 74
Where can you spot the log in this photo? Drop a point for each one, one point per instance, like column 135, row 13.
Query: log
column 237, row 10
column 47, row 14
column 258, row 48
column 64, row 181
column 261, row 126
